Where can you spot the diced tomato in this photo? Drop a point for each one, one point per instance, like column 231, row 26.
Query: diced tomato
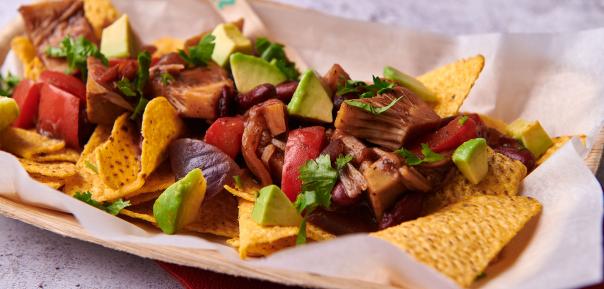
column 58, row 114
column 302, row 145
column 27, row 96
column 225, row 133
column 65, row 82
column 454, row 133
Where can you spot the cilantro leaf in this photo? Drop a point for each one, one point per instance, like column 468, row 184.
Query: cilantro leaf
column 370, row 108
column 142, row 73
column 275, row 53
column 301, row 237
column 140, row 108
column 342, row 160
column 463, row 120
column 125, row 87
column 350, row 86
column 413, row 160
column 166, row 78
column 8, row 84
column 201, row 53
column 111, row 208
column 379, row 86
column 76, row 51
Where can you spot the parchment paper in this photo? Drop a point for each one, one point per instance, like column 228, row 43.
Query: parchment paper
column 556, row 79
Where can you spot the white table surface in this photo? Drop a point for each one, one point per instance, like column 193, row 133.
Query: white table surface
column 33, row 258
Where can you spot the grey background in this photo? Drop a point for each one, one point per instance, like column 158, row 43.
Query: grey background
column 33, row 258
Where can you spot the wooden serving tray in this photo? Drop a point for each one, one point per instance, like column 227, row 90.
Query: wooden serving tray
column 66, row 225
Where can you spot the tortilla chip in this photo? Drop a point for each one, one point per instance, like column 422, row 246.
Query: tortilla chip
column 55, row 183
column 558, row 143
column 217, row 216
column 248, row 191
column 142, row 211
column 460, row 240
column 56, row 170
column 144, row 197
column 167, row 45
column 66, row 155
column 257, row 240
column 452, row 83
column 161, row 125
column 117, row 160
column 26, row 143
column 100, row 14
column 495, row 123
column 504, row 178
column 159, row 180
column 26, row 53
column 99, row 136
column 233, row 242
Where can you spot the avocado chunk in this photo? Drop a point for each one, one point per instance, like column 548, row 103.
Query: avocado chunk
column 250, row 71
column 9, row 111
column 273, row 208
column 409, row 82
column 471, row 159
column 117, row 39
column 532, row 136
column 311, row 100
column 228, row 41
column 179, row 204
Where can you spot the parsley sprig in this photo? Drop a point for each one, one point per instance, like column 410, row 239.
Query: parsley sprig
column 8, row 84
column 137, row 87
column 76, row 51
column 413, row 160
column 274, row 52
column 200, row 54
column 111, row 208
column 365, row 90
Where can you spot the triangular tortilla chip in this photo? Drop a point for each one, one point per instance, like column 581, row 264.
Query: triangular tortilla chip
column 66, row 155
column 55, row 183
column 504, row 178
column 26, row 52
column 100, row 14
column 452, row 83
column 248, row 190
column 460, row 240
column 27, row 144
column 217, row 216
column 167, row 45
column 558, row 143
column 55, row 170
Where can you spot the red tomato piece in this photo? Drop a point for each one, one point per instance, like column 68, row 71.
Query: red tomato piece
column 65, row 82
column 58, row 114
column 225, row 133
column 303, row 144
column 454, row 134
column 27, row 96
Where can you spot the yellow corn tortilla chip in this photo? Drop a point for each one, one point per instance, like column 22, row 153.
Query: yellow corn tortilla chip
column 161, row 125
column 117, row 160
column 495, row 123
column 558, row 143
column 233, row 242
column 27, row 144
column 257, row 240
column 167, row 45
column 66, row 155
column 144, row 197
column 100, row 14
column 217, row 216
column 99, row 136
column 159, row 180
column 26, row 53
column 460, row 240
column 142, row 211
column 452, row 83
column 248, row 191
column 57, row 170
column 55, row 183
column 504, row 178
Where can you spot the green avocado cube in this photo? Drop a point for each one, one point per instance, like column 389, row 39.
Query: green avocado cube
column 273, row 208
column 228, row 41
column 472, row 160
column 117, row 39
column 532, row 135
column 311, row 100
column 409, row 82
column 9, row 111
column 179, row 204
column 250, row 71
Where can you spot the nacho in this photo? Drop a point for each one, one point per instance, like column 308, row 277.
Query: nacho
column 452, row 83
column 504, row 178
column 100, row 14
column 167, row 45
column 159, row 180
column 460, row 240
column 217, row 216
column 558, row 142
column 57, row 170
column 55, row 183
column 142, row 212
column 144, row 197
column 66, row 155
column 27, row 144
column 248, row 190
column 26, row 53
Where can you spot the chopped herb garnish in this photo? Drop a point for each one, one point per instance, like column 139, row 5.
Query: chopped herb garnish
column 238, row 184
column 142, row 73
column 342, row 160
column 140, row 107
column 111, row 208
column 413, row 160
column 274, row 52
column 137, row 87
column 370, row 108
column 125, row 87
column 463, row 120
column 201, row 53
column 350, row 86
column 8, row 84
column 76, row 51
column 365, row 90
column 166, row 78
column 92, row 167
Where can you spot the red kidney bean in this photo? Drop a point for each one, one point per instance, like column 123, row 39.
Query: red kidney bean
column 407, row 208
column 286, row 90
column 520, row 154
column 226, row 102
column 255, row 96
